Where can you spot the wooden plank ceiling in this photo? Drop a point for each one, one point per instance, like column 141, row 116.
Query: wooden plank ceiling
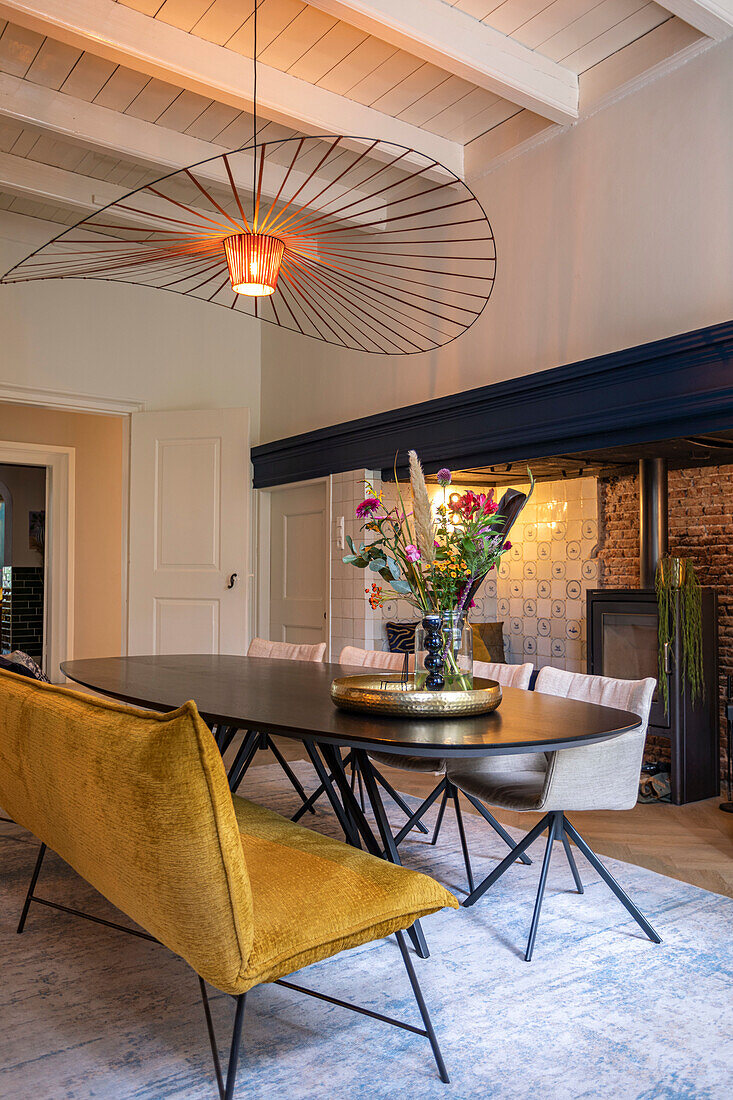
column 604, row 45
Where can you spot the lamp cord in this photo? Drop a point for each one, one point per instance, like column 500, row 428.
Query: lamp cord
column 254, row 117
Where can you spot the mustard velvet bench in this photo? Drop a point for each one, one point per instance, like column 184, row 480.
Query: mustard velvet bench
column 138, row 804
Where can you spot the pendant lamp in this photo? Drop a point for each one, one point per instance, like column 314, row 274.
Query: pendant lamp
column 355, row 241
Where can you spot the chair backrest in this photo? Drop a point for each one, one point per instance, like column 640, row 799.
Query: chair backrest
column 374, row 658
column 632, row 695
column 287, row 651
column 138, row 804
column 606, row 775
column 509, row 675
column 517, row 676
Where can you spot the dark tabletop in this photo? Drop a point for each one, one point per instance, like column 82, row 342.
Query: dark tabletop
column 292, row 698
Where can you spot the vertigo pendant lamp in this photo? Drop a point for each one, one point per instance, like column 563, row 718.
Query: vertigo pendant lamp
column 355, row 241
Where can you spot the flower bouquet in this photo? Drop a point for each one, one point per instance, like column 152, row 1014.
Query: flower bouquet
column 434, row 560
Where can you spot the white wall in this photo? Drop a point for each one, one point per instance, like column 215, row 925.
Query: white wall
column 27, row 486
column 618, row 232
column 117, row 341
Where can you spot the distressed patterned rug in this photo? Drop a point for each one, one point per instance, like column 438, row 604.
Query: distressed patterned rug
column 600, row 1012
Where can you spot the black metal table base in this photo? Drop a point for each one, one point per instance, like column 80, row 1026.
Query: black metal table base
column 332, row 773
column 252, row 742
column 351, row 762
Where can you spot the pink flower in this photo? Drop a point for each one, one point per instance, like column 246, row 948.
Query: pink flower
column 367, row 507
column 444, row 477
column 485, row 504
column 507, row 545
column 412, row 553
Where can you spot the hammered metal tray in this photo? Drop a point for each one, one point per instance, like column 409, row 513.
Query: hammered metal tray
column 380, row 693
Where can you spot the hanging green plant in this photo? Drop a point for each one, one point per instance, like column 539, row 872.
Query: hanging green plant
column 678, row 590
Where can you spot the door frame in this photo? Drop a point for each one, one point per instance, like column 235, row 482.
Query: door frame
column 58, row 592
column 68, row 401
column 261, row 579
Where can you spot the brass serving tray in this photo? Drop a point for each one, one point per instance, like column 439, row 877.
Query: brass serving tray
column 382, row 693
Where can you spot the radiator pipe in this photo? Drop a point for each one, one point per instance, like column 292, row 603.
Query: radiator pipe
column 653, row 517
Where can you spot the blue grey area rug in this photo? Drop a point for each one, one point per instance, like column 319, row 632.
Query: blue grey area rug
column 600, row 1012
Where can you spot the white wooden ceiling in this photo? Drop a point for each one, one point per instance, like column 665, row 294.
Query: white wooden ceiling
column 121, row 91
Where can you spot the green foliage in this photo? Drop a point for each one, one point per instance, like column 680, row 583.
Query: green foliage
column 677, row 587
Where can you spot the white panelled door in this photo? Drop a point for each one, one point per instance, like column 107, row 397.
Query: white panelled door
column 189, row 532
column 299, row 563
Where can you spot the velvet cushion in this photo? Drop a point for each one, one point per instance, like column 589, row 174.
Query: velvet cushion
column 314, row 896
column 401, row 637
column 488, row 639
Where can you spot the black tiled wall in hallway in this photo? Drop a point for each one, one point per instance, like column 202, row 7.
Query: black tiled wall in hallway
column 21, row 610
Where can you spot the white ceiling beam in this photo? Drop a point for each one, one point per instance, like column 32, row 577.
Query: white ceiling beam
column 127, row 37
column 455, row 41
column 69, row 190
column 133, row 139
column 713, row 18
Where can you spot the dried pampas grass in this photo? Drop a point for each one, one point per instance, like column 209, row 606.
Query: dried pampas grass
column 422, row 512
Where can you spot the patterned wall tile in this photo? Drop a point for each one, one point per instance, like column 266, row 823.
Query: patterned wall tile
column 538, row 591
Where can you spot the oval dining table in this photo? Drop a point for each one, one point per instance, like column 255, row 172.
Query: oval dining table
column 291, row 698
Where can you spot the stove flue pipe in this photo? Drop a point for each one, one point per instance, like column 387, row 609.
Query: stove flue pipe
column 653, row 517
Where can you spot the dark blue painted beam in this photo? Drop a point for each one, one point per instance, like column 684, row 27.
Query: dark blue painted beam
column 679, row 386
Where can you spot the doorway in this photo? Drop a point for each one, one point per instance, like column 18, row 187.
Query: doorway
column 22, row 559
column 294, row 574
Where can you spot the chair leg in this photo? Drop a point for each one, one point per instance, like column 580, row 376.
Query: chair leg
column 571, row 861
column 320, row 790
column 611, row 881
column 441, row 812
column 423, row 1008
column 295, row 782
column 506, row 863
column 462, row 833
column 396, row 798
column 31, row 888
column 419, row 812
column 551, row 833
column 495, row 825
column 226, row 1090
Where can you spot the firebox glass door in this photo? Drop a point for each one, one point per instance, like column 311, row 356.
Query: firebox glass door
column 629, row 652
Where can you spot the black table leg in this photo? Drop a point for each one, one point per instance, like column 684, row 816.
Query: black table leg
column 349, row 801
column 350, row 831
column 415, row 933
column 243, row 759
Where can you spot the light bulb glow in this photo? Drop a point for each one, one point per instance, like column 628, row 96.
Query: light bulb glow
column 254, row 262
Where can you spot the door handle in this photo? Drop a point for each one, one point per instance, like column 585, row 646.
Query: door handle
column 232, row 580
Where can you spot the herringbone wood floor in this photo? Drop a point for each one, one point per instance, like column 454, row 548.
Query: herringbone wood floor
column 693, row 843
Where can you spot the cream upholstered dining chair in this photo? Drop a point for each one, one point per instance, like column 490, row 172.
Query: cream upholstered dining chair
column 287, row 651
column 603, row 776
column 253, row 740
column 508, row 675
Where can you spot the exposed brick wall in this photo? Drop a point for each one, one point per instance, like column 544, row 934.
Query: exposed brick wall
column 700, row 528
column 618, row 544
